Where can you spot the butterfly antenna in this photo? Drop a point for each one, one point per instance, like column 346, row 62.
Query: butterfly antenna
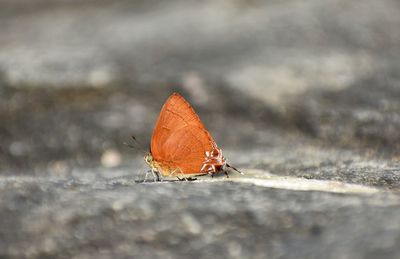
column 129, row 145
column 137, row 146
column 230, row 168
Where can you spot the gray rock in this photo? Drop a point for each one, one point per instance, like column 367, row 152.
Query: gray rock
column 302, row 96
column 93, row 216
column 258, row 44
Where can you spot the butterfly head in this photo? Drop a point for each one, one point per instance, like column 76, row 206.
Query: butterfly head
column 149, row 159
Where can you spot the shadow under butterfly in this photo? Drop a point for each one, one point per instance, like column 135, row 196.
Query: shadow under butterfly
column 181, row 146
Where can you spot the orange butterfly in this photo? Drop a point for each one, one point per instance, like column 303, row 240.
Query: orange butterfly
column 181, row 145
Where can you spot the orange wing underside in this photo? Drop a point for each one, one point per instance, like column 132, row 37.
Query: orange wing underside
column 180, row 141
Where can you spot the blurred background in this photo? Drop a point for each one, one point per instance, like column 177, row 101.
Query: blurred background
column 77, row 78
column 308, row 89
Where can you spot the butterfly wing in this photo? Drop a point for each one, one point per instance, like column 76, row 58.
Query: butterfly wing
column 175, row 114
column 180, row 141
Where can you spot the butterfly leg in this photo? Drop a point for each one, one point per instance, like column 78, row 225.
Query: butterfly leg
column 229, row 169
column 181, row 179
column 211, row 171
column 156, row 176
column 147, row 174
column 174, row 171
column 226, row 173
column 187, row 179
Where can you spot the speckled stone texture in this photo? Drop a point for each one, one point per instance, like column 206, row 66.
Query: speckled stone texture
column 302, row 96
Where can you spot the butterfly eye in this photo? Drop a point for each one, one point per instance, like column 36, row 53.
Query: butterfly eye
column 149, row 158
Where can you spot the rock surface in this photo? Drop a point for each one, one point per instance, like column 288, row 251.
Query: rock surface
column 303, row 97
column 94, row 215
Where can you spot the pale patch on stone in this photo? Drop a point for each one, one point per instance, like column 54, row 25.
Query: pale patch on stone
column 294, row 76
column 194, row 84
column 59, row 168
column 301, row 184
column 261, row 178
column 111, row 158
column 18, row 148
column 100, row 77
column 192, row 224
column 265, row 179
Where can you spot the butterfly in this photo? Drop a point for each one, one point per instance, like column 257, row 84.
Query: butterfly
column 181, row 146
